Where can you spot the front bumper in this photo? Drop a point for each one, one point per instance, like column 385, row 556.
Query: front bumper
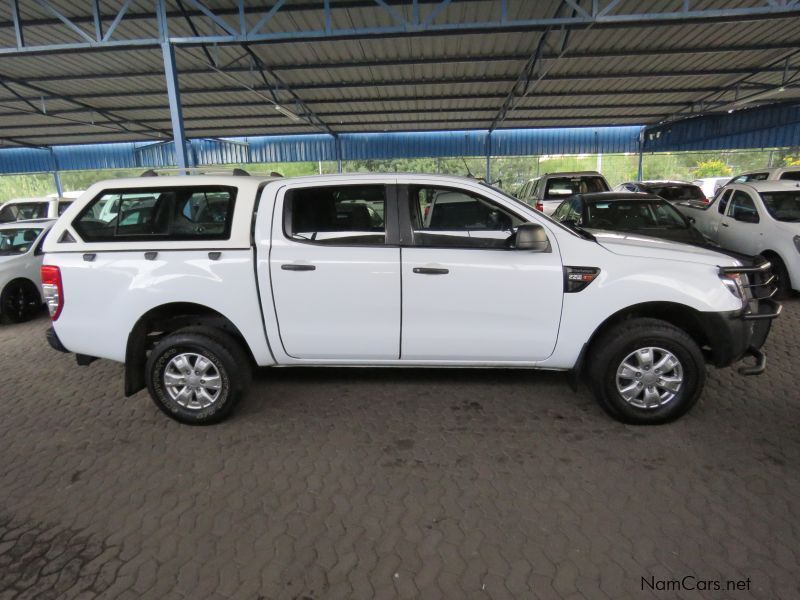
column 742, row 333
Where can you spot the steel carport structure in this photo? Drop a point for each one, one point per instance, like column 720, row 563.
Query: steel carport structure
column 136, row 70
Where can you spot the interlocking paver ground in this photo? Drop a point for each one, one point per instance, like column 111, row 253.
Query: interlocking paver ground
column 365, row 483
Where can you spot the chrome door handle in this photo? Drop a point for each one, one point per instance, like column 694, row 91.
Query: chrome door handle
column 296, row 267
column 430, row 271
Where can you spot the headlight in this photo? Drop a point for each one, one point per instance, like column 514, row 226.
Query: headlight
column 796, row 240
column 734, row 283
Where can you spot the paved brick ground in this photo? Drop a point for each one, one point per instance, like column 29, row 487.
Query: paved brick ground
column 377, row 484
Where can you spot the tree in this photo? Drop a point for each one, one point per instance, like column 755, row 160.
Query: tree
column 711, row 168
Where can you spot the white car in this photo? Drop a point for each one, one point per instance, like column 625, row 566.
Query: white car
column 20, row 261
column 770, row 174
column 24, row 209
column 756, row 218
column 202, row 277
column 547, row 192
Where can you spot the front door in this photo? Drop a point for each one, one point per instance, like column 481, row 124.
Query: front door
column 739, row 229
column 335, row 271
column 467, row 296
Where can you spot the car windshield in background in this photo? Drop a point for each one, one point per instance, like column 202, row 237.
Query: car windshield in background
column 17, row 241
column 676, row 193
column 559, row 188
column 783, row 206
column 633, row 215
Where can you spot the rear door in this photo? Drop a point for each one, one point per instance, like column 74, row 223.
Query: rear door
column 335, row 271
column 472, row 298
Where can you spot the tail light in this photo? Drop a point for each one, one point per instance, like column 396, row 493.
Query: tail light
column 53, row 290
column 539, row 206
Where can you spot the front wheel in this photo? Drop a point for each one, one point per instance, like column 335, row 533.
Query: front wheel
column 646, row 371
column 196, row 376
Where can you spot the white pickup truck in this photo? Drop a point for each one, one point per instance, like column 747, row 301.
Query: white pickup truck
column 756, row 218
column 191, row 281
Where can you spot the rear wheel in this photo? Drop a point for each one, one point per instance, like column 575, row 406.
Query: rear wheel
column 20, row 301
column 646, row 371
column 197, row 375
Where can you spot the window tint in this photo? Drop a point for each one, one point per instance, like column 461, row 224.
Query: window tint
column 62, row 206
column 743, row 208
column 633, row 215
column 22, row 211
column 569, row 210
column 17, row 241
column 723, row 201
column 559, row 188
column 783, row 206
column 346, row 215
column 180, row 213
column 676, row 193
column 791, row 175
column 454, row 218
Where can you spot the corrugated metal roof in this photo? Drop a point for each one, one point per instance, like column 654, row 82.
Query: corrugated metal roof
column 644, row 73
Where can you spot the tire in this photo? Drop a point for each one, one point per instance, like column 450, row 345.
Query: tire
column 781, row 274
column 208, row 370
column 628, row 343
column 20, row 301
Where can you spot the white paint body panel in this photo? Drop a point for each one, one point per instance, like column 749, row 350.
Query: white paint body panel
column 768, row 235
column 495, row 307
column 104, row 298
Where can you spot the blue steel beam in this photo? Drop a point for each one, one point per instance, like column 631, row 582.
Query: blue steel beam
column 597, row 17
column 175, row 111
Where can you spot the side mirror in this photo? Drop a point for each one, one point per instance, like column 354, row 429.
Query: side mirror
column 531, row 236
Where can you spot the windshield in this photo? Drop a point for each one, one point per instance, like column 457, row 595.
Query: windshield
column 17, row 241
column 783, row 206
column 633, row 215
column 676, row 193
column 559, row 188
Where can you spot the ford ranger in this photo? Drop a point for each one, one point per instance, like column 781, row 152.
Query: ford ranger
column 192, row 281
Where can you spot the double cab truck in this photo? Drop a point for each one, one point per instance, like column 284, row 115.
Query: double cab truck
column 193, row 281
column 756, row 218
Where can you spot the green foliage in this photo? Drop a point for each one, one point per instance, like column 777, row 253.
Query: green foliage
column 712, row 168
column 509, row 172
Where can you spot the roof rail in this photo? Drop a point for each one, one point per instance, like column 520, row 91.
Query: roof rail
column 195, row 171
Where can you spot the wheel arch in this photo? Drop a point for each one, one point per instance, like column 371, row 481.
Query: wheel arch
column 163, row 320
column 682, row 316
column 19, row 280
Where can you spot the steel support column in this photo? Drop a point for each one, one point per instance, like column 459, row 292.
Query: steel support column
column 489, row 157
column 56, row 176
column 175, row 109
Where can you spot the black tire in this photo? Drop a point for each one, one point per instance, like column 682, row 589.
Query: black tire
column 781, row 275
column 20, row 301
column 615, row 345
column 228, row 360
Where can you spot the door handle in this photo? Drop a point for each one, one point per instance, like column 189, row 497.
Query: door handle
column 430, row 271
column 151, row 255
column 297, row 267
column 724, row 224
column 89, row 256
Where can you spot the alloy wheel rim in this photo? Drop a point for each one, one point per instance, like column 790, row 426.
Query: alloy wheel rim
column 649, row 378
column 192, row 381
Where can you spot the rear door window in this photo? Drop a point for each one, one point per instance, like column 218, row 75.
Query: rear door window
column 791, row 175
column 353, row 215
column 178, row 213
